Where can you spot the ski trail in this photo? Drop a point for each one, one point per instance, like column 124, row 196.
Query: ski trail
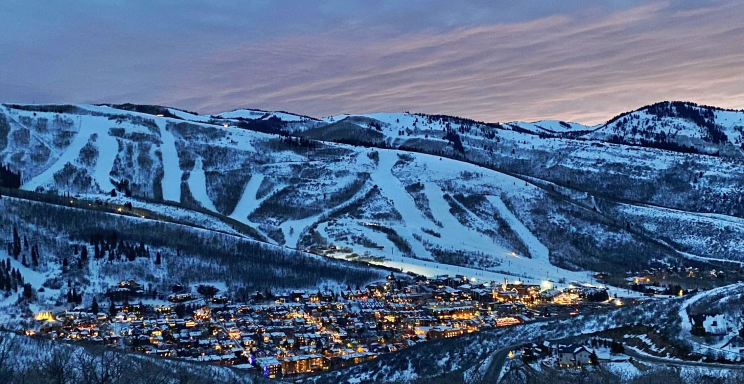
column 455, row 235
column 171, row 169
column 108, row 149
column 393, row 189
column 248, row 202
column 68, row 156
column 538, row 251
column 198, row 186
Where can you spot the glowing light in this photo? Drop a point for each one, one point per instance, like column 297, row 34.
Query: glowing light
column 44, row 316
column 546, row 285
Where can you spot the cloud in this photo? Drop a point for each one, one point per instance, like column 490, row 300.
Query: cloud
column 576, row 61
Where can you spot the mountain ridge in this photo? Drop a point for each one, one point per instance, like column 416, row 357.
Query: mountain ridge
column 143, row 154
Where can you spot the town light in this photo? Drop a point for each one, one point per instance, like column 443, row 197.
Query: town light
column 546, row 285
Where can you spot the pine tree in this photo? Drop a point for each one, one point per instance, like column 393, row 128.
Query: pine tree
column 84, row 253
column 112, row 309
column 94, row 306
column 65, row 262
column 16, row 243
column 35, row 255
column 25, row 242
column 157, row 258
column 23, row 260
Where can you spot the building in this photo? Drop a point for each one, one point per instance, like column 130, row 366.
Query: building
column 302, row 364
column 269, row 366
column 444, row 331
column 574, row 356
column 708, row 325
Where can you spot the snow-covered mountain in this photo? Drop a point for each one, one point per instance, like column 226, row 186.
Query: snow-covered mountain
column 425, row 193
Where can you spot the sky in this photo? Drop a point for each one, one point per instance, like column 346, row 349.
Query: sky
column 488, row 60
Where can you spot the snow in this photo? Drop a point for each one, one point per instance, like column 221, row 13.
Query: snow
column 624, row 369
column 391, row 188
column 684, row 316
column 551, row 126
column 242, row 114
column 253, row 114
column 108, row 149
column 538, row 251
column 198, row 186
column 69, row 156
column 189, row 116
column 171, row 169
column 248, row 202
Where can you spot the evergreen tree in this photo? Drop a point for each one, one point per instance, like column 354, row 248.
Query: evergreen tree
column 157, row 258
column 35, row 255
column 94, row 306
column 112, row 309
column 84, row 254
column 28, row 292
column 23, row 260
column 16, row 243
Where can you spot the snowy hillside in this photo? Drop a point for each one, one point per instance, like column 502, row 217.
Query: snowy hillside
column 438, row 193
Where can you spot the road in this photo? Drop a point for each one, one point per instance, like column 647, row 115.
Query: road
column 497, row 364
column 658, row 360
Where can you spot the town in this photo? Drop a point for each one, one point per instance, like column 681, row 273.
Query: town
column 302, row 332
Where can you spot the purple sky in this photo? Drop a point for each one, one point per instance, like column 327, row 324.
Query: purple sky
column 582, row 61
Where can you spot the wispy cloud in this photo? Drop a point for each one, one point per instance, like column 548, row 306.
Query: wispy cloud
column 577, row 62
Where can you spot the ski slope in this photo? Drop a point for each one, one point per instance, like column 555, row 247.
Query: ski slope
column 538, row 251
column 248, row 202
column 391, row 188
column 108, row 149
column 171, row 169
column 198, row 186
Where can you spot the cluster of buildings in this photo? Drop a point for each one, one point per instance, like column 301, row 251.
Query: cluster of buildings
column 303, row 332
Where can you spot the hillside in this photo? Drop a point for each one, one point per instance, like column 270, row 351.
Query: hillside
column 422, row 191
column 265, row 202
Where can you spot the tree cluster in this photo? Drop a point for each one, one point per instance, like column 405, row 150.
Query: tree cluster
column 10, row 278
column 8, row 178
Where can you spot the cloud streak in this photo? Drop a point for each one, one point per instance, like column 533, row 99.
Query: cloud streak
column 585, row 65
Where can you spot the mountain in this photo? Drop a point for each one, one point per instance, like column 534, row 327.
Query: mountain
column 266, row 201
column 653, row 185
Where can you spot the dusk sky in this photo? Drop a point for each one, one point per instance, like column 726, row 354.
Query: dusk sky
column 583, row 61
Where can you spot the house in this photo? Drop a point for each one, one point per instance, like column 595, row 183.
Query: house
column 270, row 366
column 574, row 356
column 302, row 364
column 444, row 331
column 708, row 324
